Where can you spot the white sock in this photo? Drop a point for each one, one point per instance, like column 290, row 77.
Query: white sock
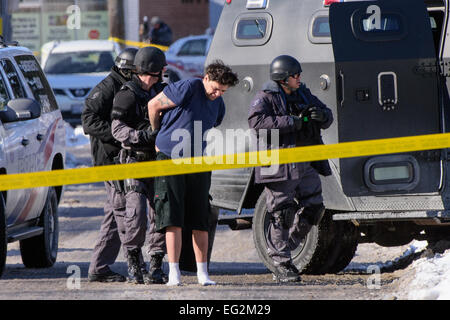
column 202, row 274
column 174, row 274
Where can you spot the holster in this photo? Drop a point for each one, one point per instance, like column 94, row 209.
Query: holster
column 140, row 155
column 118, row 184
column 132, row 185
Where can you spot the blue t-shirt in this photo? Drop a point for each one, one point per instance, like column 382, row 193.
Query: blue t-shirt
column 183, row 127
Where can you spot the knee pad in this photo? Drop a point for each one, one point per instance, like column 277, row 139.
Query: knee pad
column 284, row 217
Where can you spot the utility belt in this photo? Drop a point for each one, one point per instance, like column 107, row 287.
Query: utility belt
column 140, row 155
column 127, row 185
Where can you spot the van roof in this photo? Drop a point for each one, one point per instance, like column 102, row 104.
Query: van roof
column 83, row 45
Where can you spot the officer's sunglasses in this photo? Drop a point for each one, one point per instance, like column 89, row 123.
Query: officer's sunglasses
column 153, row 74
column 295, row 76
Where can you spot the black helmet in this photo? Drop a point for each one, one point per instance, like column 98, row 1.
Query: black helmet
column 125, row 60
column 284, row 66
column 149, row 60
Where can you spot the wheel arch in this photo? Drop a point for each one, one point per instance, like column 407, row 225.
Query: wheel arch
column 58, row 163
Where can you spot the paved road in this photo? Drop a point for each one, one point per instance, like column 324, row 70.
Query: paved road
column 235, row 266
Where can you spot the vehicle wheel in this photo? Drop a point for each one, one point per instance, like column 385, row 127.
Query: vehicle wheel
column 3, row 242
column 307, row 255
column 41, row 251
column 187, row 257
column 438, row 238
column 342, row 250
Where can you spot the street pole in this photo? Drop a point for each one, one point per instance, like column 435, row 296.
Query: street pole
column 116, row 19
column 5, row 18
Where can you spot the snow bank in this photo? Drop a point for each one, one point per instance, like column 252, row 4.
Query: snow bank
column 432, row 278
column 76, row 141
column 75, row 136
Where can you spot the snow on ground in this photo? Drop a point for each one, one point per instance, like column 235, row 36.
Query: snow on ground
column 431, row 280
column 75, row 140
column 426, row 278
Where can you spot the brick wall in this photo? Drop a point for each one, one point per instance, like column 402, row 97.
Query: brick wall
column 185, row 17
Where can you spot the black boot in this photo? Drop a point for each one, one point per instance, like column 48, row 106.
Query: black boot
column 156, row 275
column 134, row 267
column 286, row 272
column 107, row 276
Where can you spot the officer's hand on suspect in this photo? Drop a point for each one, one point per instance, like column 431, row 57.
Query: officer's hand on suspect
column 317, row 114
column 148, row 136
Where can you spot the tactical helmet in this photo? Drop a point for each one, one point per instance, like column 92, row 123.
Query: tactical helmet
column 125, row 60
column 284, row 66
column 149, row 60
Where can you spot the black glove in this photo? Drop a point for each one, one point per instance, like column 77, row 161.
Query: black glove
column 298, row 123
column 317, row 114
column 147, row 136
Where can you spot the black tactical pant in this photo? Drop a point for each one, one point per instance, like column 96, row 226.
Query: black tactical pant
column 285, row 201
column 108, row 244
column 114, row 231
column 140, row 214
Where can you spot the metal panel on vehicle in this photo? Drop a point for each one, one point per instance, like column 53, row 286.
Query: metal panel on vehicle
column 387, row 86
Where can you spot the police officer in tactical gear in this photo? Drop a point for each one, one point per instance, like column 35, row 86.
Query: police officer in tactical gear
column 131, row 127
column 96, row 120
column 293, row 191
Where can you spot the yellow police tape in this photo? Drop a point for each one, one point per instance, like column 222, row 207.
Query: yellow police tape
column 137, row 44
column 222, row 162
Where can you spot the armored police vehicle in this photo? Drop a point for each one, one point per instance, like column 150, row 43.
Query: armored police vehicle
column 32, row 138
column 381, row 66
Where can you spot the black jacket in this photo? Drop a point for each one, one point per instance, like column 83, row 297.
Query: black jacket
column 131, row 124
column 269, row 110
column 96, row 118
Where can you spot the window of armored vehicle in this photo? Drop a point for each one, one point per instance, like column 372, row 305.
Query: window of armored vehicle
column 4, row 97
column 252, row 29
column 13, row 78
column 37, row 82
column 193, row 48
column 319, row 28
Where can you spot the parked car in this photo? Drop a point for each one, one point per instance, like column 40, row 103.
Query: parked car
column 32, row 138
column 73, row 68
column 186, row 57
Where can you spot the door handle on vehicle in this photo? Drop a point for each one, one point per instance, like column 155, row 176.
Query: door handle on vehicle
column 40, row 136
column 25, row 142
column 342, row 88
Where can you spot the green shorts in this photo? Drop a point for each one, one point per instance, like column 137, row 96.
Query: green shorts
column 182, row 200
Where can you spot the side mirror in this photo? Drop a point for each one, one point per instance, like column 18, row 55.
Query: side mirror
column 20, row 109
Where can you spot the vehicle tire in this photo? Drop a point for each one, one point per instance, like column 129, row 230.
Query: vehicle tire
column 187, row 257
column 308, row 255
column 343, row 248
column 3, row 240
column 41, row 251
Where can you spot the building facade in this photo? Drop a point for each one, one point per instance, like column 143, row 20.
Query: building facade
column 184, row 17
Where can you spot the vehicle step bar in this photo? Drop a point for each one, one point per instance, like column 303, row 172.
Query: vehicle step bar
column 24, row 234
column 393, row 215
